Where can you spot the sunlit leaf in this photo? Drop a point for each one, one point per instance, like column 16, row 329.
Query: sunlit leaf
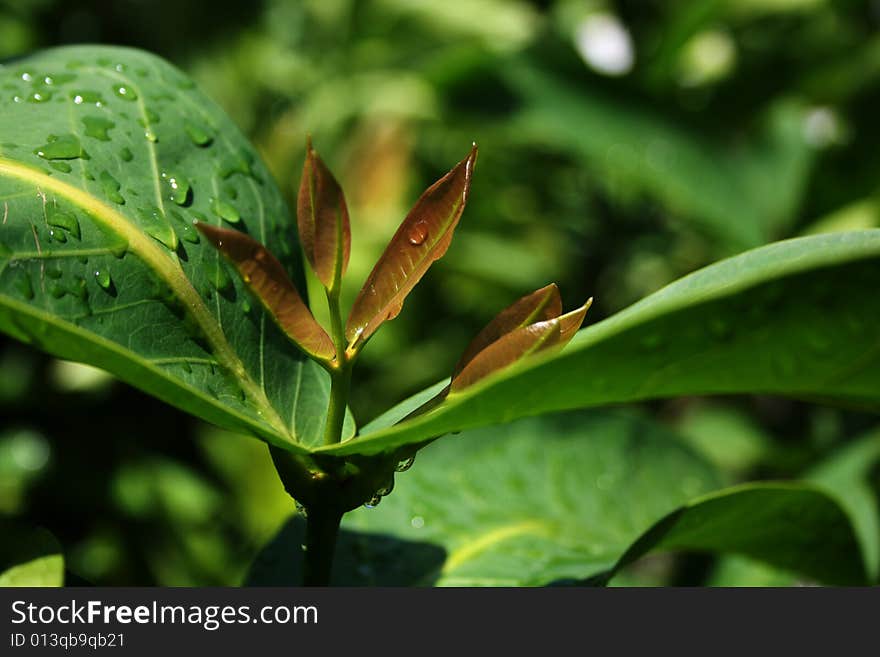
column 518, row 344
column 266, row 278
column 540, row 305
column 423, row 237
column 322, row 217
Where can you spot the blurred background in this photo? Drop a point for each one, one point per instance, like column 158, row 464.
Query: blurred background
column 622, row 145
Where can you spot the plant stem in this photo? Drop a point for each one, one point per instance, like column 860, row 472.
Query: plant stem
column 322, row 528
column 340, row 376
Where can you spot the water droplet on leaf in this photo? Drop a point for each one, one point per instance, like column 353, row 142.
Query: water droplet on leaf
column 111, row 188
column 198, row 135
column 97, row 127
column 418, row 233
column 62, row 219
column 125, row 92
column 62, row 147
column 225, row 211
column 406, row 464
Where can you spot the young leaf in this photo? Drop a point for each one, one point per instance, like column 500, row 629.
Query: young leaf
column 540, row 305
column 322, row 217
column 266, row 278
column 518, row 344
column 422, row 238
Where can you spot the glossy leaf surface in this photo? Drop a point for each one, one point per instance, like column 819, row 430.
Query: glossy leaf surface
column 564, row 498
column 99, row 259
column 542, row 304
column 322, row 218
column 266, row 278
column 796, row 318
column 423, row 237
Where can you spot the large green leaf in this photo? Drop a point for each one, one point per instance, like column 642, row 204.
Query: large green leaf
column 798, row 318
column 107, row 155
column 789, row 525
column 570, row 498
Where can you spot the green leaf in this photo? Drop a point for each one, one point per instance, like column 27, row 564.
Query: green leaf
column 29, row 557
column 845, row 476
column 107, row 155
column 541, row 500
column 789, row 525
column 797, row 318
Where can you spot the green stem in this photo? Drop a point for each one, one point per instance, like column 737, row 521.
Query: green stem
column 322, row 528
column 340, row 376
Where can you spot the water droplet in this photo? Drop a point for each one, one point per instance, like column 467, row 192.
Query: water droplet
column 40, row 97
column 22, row 284
column 300, row 509
column 102, row 276
column 126, row 155
column 62, row 219
column 220, row 278
column 240, row 163
column 151, row 135
column 417, row 522
column 225, row 211
column 111, row 188
column 119, row 247
column 406, row 464
column 179, row 187
column 60, row 165
column 62, row 147
column 373, row 502
column 53, row 272
column 57, row 290
column 245, row 306
column 57, row 235
column 97, row 127
column 125, row 92
column 386, row 489
column 87, row 98
column 157, row 226
column 27, row 77
column 186, row 230
column 230, row 192
column 198, row 135
column 418, row 233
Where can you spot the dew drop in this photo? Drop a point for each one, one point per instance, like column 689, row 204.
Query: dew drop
column 179, row 187
column 124, row 92
column 60, row 165
column 125, row 155
column 57, row 235
column 300, row 509
column 219, row 278
column 40, row 97
column 57, row 290
column 62, row 219
column 87, row 98
column 225, row 211
column 102, row 276
column 373, row 502
column 245, row 306
column 62, row 147
column 53, row 272
column 97, row 127
column 405, row 465
column 151, row 135
column 156, row 226
column 198, row 135
column 417, row 522
column 111, row 188
column 418, row 233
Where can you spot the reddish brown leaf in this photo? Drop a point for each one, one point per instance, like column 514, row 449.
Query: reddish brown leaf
column 519, row 343
column 505, row 351
column 266, row 278
column 422, row 238
column 322, row 217
column 540, row 305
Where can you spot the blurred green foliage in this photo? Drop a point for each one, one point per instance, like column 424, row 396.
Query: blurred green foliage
column 622, row 145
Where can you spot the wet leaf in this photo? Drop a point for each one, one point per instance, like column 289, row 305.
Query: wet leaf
column 518, row 344
column 266, row 278
column 422, row 238
column 540, row 305
column 322, row 217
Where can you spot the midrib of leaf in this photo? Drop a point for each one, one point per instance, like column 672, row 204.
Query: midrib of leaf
column 168, row 270
column 482, row 542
